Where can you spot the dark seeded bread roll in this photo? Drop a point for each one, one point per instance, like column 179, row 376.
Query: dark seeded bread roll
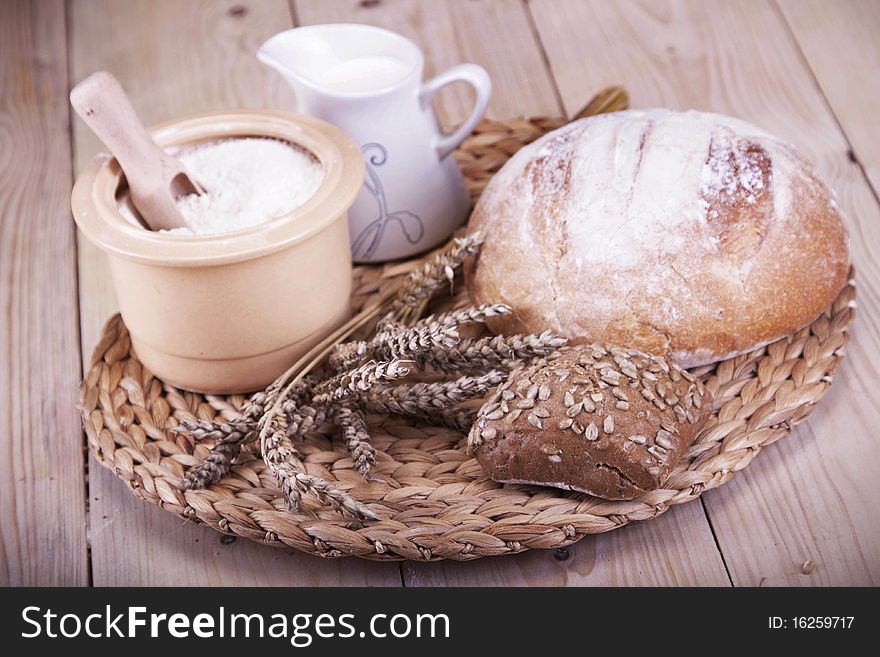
column 608, row 422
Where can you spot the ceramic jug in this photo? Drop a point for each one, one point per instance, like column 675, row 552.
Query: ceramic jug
column 368, row 81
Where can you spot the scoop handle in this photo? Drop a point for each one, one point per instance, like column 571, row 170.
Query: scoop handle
column 102, row 104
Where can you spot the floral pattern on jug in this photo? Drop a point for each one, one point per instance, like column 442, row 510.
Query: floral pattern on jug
column 409, row 223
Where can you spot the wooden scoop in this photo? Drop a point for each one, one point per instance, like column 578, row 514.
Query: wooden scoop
column 155, row 178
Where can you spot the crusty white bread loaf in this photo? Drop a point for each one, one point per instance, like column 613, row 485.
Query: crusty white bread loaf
column 691, row 235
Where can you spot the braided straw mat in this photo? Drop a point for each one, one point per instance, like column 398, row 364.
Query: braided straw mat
column 434, row 501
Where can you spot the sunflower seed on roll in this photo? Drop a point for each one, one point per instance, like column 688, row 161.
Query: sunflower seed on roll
column 577, row 437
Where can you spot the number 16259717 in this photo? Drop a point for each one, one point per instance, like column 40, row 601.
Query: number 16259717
column 810, row 622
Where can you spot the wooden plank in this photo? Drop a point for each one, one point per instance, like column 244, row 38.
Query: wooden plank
column 498, row 36
column 839, row 41
column 138, row 544
column 808, row 498
column 175, row 58
column 42, row 501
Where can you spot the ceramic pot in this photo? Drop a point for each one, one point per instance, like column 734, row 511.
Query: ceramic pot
column 229, row 313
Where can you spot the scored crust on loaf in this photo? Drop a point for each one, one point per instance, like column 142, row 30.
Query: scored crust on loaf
column 693, row 235
column 611, row 422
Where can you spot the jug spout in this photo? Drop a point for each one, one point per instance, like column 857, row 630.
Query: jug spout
column 342, row 60
column 272, row 54
column 301, row 54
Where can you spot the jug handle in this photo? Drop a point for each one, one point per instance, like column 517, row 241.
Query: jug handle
column 478, row 78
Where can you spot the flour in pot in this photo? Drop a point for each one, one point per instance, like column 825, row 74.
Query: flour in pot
column 247, row 182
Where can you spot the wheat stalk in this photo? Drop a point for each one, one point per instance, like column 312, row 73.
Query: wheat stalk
column 230, row 436
column 494, row 352
column 424, row 399
column 405, row 343
column 348, row 354
column 357, row 438
column 435, row 273
column 467, row 315
column 358, row 382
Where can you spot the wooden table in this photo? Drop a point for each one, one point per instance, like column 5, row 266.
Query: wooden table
column 806, row 512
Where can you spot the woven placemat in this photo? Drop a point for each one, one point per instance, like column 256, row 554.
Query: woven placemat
column 434, row 501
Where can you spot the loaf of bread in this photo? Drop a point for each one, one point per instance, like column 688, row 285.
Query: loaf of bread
column 691, row 235
column 606, row 421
